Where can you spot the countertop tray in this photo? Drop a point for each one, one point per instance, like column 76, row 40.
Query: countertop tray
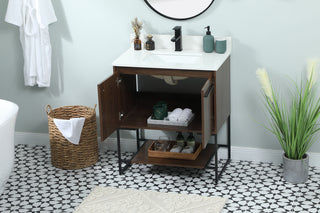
column 174, row 155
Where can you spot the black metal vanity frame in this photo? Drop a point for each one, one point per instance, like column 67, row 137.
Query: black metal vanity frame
column 218, row 174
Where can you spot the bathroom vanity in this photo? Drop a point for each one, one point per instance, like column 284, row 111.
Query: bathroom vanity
column 123, row 106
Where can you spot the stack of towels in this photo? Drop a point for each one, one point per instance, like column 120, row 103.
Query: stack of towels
column 180, row 115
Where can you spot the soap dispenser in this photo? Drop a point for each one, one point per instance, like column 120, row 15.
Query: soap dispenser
column 208, row 41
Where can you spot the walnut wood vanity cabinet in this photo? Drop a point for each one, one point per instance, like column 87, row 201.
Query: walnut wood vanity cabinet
column 121, row 106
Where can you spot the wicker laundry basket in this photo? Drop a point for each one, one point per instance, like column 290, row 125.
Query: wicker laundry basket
column 64, row 154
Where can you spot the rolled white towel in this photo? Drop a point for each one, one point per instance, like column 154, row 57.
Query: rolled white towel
column 187, row 149
column 176, row 148
column 175, row 114
column 185, row 115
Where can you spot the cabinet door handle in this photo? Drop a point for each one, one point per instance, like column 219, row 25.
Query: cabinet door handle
column 208, row 91
column 121, row 114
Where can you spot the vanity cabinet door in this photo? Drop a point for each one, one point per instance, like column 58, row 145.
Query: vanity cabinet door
column 206, row 111
column 109, row 106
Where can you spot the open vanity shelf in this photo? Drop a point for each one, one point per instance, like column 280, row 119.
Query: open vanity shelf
column 138, row 115
column 123, row 106
column 199, row 163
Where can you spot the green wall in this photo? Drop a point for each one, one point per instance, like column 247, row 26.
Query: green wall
column 276, row 34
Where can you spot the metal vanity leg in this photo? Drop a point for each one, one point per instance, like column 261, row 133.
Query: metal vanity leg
column 216, row 158
column 138, row 139
column 217, row 146
column 229, row 138
column 119, row 152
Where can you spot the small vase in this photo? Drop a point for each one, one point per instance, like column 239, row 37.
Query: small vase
column 150, row 43
column 137, row 44
column 295, row 171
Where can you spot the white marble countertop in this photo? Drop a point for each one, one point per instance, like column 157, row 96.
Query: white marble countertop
column 191, row 57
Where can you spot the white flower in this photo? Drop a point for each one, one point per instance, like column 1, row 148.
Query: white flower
column 265, row 82
column 311, row 71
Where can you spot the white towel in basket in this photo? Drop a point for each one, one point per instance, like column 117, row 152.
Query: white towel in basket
column 70, row 129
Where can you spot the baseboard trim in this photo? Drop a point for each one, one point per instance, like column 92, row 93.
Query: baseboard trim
column 129, row 145
column 32, row 139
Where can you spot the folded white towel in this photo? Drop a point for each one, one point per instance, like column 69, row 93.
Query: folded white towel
column 70, row 129
column 175, row 114
column 185, row 115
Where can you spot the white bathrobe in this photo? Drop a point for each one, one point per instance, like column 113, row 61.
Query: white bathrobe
column 33, row 17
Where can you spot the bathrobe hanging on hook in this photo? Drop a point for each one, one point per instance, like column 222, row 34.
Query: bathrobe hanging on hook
column 33, row 17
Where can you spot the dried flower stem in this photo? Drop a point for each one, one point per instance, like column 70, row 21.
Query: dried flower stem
column 136, row 26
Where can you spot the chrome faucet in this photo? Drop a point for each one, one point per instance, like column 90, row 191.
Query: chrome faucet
column 177, row 38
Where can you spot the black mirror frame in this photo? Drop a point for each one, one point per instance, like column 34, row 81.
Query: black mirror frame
column 177, row 19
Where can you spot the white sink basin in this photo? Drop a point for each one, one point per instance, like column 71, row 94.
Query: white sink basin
column 174, row 58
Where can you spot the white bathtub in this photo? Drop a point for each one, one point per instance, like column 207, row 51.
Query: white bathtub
column 8, row 115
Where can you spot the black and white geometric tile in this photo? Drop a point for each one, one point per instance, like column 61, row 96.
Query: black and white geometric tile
column 36, row 186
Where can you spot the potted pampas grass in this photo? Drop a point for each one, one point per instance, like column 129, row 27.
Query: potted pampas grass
column 295, row 124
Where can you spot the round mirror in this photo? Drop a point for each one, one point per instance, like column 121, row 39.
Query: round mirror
column 179, row 9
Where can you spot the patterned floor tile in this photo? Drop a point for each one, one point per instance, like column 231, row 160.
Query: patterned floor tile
column 36, row 186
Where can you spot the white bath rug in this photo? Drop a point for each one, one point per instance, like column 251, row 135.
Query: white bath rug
column 107, row 199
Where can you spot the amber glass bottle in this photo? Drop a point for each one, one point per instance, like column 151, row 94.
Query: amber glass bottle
column 137, row 44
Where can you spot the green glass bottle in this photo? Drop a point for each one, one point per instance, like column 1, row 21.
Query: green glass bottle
column 180, row 139
column 191, row 141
